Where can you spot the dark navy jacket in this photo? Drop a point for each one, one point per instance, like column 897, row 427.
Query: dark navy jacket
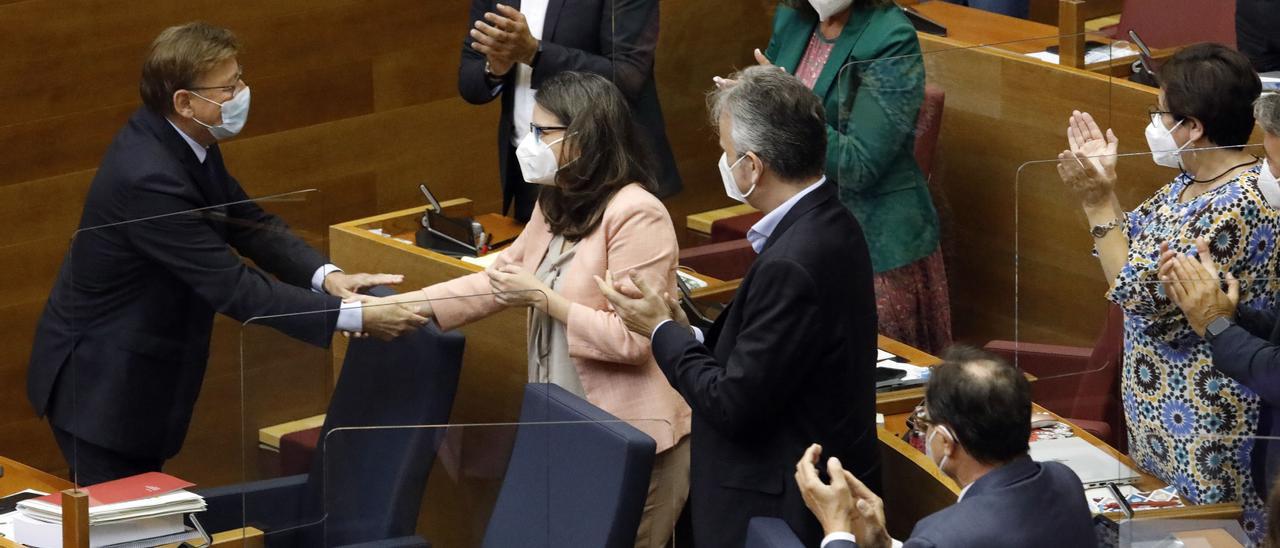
column 120, row 351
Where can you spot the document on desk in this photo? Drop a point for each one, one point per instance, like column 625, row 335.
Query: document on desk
column 1271, row 80
column 1099, row 54
column 1094, row 466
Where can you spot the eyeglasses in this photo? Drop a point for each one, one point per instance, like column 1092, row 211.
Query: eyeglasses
column 539, row 131
column 228, row 88
column 1155, row 111
column 918, row 424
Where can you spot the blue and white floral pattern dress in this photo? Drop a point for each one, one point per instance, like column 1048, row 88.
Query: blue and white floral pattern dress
column 1188, row 423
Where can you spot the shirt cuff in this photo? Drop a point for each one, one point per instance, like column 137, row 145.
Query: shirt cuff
column 351, row 318
column 697, row 333
column 838, row 535
column 317, row 279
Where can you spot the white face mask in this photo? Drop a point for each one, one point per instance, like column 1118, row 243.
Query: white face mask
column 928, row 446
column 1164, row 149
column 827, row 8
column 730, row 185
column 235, row 112
column 1268, row 184
column 538, row 162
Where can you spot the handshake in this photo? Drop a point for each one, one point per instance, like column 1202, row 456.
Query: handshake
column 383, row 317
column 389, row 317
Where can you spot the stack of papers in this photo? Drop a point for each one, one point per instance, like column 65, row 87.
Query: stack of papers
column 143, row 496
column 143, row 508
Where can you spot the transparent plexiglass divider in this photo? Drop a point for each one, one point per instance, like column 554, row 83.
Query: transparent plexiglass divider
column 134, row 360
column 401, row 450
column 1131, row 368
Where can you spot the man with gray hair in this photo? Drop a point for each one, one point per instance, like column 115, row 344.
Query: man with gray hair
column 1245, row 342
column 792, row 359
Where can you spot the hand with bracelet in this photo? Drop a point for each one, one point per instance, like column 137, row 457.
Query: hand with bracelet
column 1194, row 286
column 1089, row 169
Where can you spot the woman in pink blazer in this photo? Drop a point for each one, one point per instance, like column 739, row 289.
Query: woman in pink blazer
column 594, row 215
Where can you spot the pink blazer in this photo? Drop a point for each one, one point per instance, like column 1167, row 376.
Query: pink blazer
column 616, row 366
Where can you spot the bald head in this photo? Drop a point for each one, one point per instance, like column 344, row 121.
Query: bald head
column 983, row 400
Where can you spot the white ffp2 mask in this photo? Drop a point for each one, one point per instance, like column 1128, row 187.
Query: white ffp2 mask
column 538, row 162
column 1268, row 185
column 730, row 185
column 1164, row 150
column 827, row 8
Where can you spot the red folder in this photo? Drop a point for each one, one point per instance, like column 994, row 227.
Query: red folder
column 141, row 486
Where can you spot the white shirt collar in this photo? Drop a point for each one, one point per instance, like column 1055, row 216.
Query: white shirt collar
column 199, row 149
column 760, row 232
column 962, row 492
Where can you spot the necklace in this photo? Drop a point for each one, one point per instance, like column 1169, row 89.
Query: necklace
column 1229, row 170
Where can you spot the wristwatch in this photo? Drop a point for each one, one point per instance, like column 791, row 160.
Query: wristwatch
column 1216, row 327
column 1099, row 231
column 488, row 73
column 536, row 55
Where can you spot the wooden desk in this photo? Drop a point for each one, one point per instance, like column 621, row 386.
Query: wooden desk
column 18, row 477
column 977, row 27
column 915, row 488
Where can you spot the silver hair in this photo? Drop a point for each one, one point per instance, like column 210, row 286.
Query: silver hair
column 775, row 116
column 1267, row 111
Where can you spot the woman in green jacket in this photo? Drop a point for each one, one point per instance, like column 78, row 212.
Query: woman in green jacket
column 862, row 57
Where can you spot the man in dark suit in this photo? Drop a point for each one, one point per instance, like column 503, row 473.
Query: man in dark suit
column 792, row 359
column 515, row 45
column 120, row 351
column 978, row 417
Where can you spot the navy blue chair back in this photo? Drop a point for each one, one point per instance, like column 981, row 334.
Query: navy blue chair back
column 572, row 484
column 368, row 483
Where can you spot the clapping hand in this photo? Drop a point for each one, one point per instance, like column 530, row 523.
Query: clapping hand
column 643, row 312
column 844, row 505
column 1089, row 167
column 504, row 39
column 1193, row 285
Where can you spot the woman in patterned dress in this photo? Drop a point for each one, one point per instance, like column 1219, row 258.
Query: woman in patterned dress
column 1188, row 423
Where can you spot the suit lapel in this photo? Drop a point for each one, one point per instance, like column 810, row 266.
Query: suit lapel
column 177, row 145
column 840, row 54
column 794, row 40
column 803, row 207
column 554, row 7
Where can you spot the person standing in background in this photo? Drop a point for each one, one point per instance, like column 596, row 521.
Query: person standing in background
column 862, row 59
column 1258, row 33
column 513, row 46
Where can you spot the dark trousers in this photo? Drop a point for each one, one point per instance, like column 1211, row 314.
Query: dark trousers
column 91, row 464
column 523, row 195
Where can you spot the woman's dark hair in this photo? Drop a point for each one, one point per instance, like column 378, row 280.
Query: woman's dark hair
column 610, row 152
column 984, row 401
column 805, row 6
column 1216, row 85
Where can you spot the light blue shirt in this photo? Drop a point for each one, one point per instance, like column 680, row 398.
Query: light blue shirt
column 760, row 232
column 758, row 235
column 350, row 318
